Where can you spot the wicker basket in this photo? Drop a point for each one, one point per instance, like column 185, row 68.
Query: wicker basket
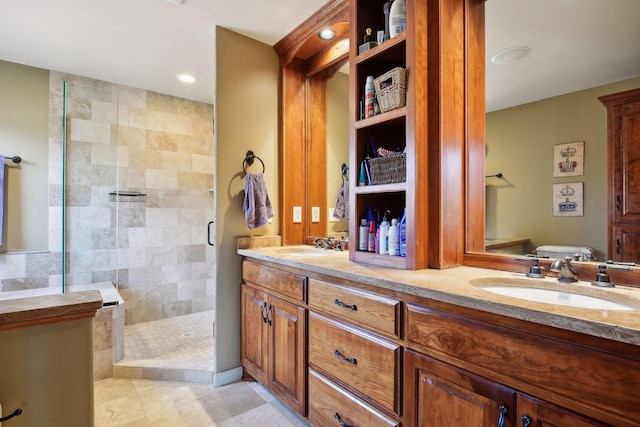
column 387, row 170
column 391, row 89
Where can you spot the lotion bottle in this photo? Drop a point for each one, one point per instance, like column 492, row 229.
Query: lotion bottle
column 371, row 238
column 363, row 235
column 397, row 17
column 394, row 237
column 384, row 235
column 403, row 233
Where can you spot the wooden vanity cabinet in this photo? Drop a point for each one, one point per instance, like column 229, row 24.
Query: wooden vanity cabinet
column 274, row 332
column 559, row 378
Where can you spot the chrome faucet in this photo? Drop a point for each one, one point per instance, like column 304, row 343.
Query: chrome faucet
column 323, row 242
column 566, row 272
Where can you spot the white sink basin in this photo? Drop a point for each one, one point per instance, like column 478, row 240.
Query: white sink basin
column 557, row 297
column 304, row 251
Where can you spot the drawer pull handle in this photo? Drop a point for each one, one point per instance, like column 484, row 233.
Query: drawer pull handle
column 339, row 355
column 342, row 423
column 526, row 421
column 341, row 304
column 503, row 415
column 263, row 312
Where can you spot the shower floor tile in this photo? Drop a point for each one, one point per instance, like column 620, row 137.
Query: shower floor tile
column 182, row 342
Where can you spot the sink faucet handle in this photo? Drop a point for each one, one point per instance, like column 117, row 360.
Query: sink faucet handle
column 602, row 278
column 535, row 271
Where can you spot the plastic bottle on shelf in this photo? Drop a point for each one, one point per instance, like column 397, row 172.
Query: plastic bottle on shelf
column 371, row 238
column 403, row 233
column 397, row 18
column 384, row 235
column 369, row 98
column 394, row 238
column 363, row 235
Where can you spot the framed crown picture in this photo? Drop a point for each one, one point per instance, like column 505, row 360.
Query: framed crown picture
column 568, row 159
column 568, row 199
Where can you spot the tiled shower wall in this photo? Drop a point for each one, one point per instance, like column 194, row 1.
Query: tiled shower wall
column 154, row 246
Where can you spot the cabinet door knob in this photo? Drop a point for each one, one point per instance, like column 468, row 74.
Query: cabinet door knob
column 526, row 421
column 342, row 423
column 503, row 415
column 341, row 304
column 339, row 355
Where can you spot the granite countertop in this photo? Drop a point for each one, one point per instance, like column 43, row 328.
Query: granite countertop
column 40, row 309
column 462, row 286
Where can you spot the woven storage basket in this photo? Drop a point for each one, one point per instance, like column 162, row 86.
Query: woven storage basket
column 391, row 89
column 387, row 170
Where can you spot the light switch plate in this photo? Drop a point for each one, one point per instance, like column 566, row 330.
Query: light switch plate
column 297, row 214
column 315, row 214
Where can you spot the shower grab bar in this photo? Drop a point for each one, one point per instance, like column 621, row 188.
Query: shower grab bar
column 14, row 159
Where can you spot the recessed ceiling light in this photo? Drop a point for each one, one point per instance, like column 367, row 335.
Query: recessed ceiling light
column 510, row 54
column 327, row 34
column 186, row 78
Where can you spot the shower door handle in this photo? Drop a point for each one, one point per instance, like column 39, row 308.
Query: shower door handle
column 209, row 234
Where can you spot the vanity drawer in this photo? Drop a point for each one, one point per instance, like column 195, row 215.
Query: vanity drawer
column 372, row 311
column 331, row 404
column 283, row 282
column 358, row 359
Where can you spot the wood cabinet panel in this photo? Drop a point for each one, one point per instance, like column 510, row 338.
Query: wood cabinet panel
column 362, row 361
column 539, row 413
column 329, row 404
column 254, row 333
column 372, row 311
column 288, row 369
column 282, row 282
column 439, row 395
column 578, row 378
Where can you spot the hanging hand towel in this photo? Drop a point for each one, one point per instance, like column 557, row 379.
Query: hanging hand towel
column 342, row 202
column 1, row 193
column 257, row 206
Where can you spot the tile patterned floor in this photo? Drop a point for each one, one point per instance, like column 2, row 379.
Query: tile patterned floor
column 142, row 403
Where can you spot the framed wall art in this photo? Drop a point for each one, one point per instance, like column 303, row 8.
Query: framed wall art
column 568, row 199
column 568, row 159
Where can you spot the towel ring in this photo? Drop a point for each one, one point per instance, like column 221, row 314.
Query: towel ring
column 248, row 160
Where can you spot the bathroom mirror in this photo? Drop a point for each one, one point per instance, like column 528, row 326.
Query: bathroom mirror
column 523, row 127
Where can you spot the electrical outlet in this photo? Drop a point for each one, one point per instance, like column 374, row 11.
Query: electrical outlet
column 297, row 214
column 315, row 214
column 332, row 215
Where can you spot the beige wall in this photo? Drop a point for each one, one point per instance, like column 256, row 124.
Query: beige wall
column 520, row 144
column 24, row 120
column 337, row 143
column 246, row 119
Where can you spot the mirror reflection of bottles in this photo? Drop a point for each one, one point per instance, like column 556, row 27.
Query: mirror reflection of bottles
column 397, row 17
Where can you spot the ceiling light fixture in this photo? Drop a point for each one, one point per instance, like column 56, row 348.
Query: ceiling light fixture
column 178, row 2
column 510, row 54
column 186, row 78
column 327, row 34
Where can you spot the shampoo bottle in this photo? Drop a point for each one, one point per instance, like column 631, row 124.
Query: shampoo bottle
column 363, row 235
column 394, row 237
column 384, row 235
column 397, row 17
column 371, row 238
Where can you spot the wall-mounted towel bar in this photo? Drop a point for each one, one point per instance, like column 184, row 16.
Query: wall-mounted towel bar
column 497, row 175
column 248, row 160
column 14, row 159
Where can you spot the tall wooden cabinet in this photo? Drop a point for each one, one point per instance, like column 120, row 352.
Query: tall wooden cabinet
column 623, row 146
column 443, row 39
